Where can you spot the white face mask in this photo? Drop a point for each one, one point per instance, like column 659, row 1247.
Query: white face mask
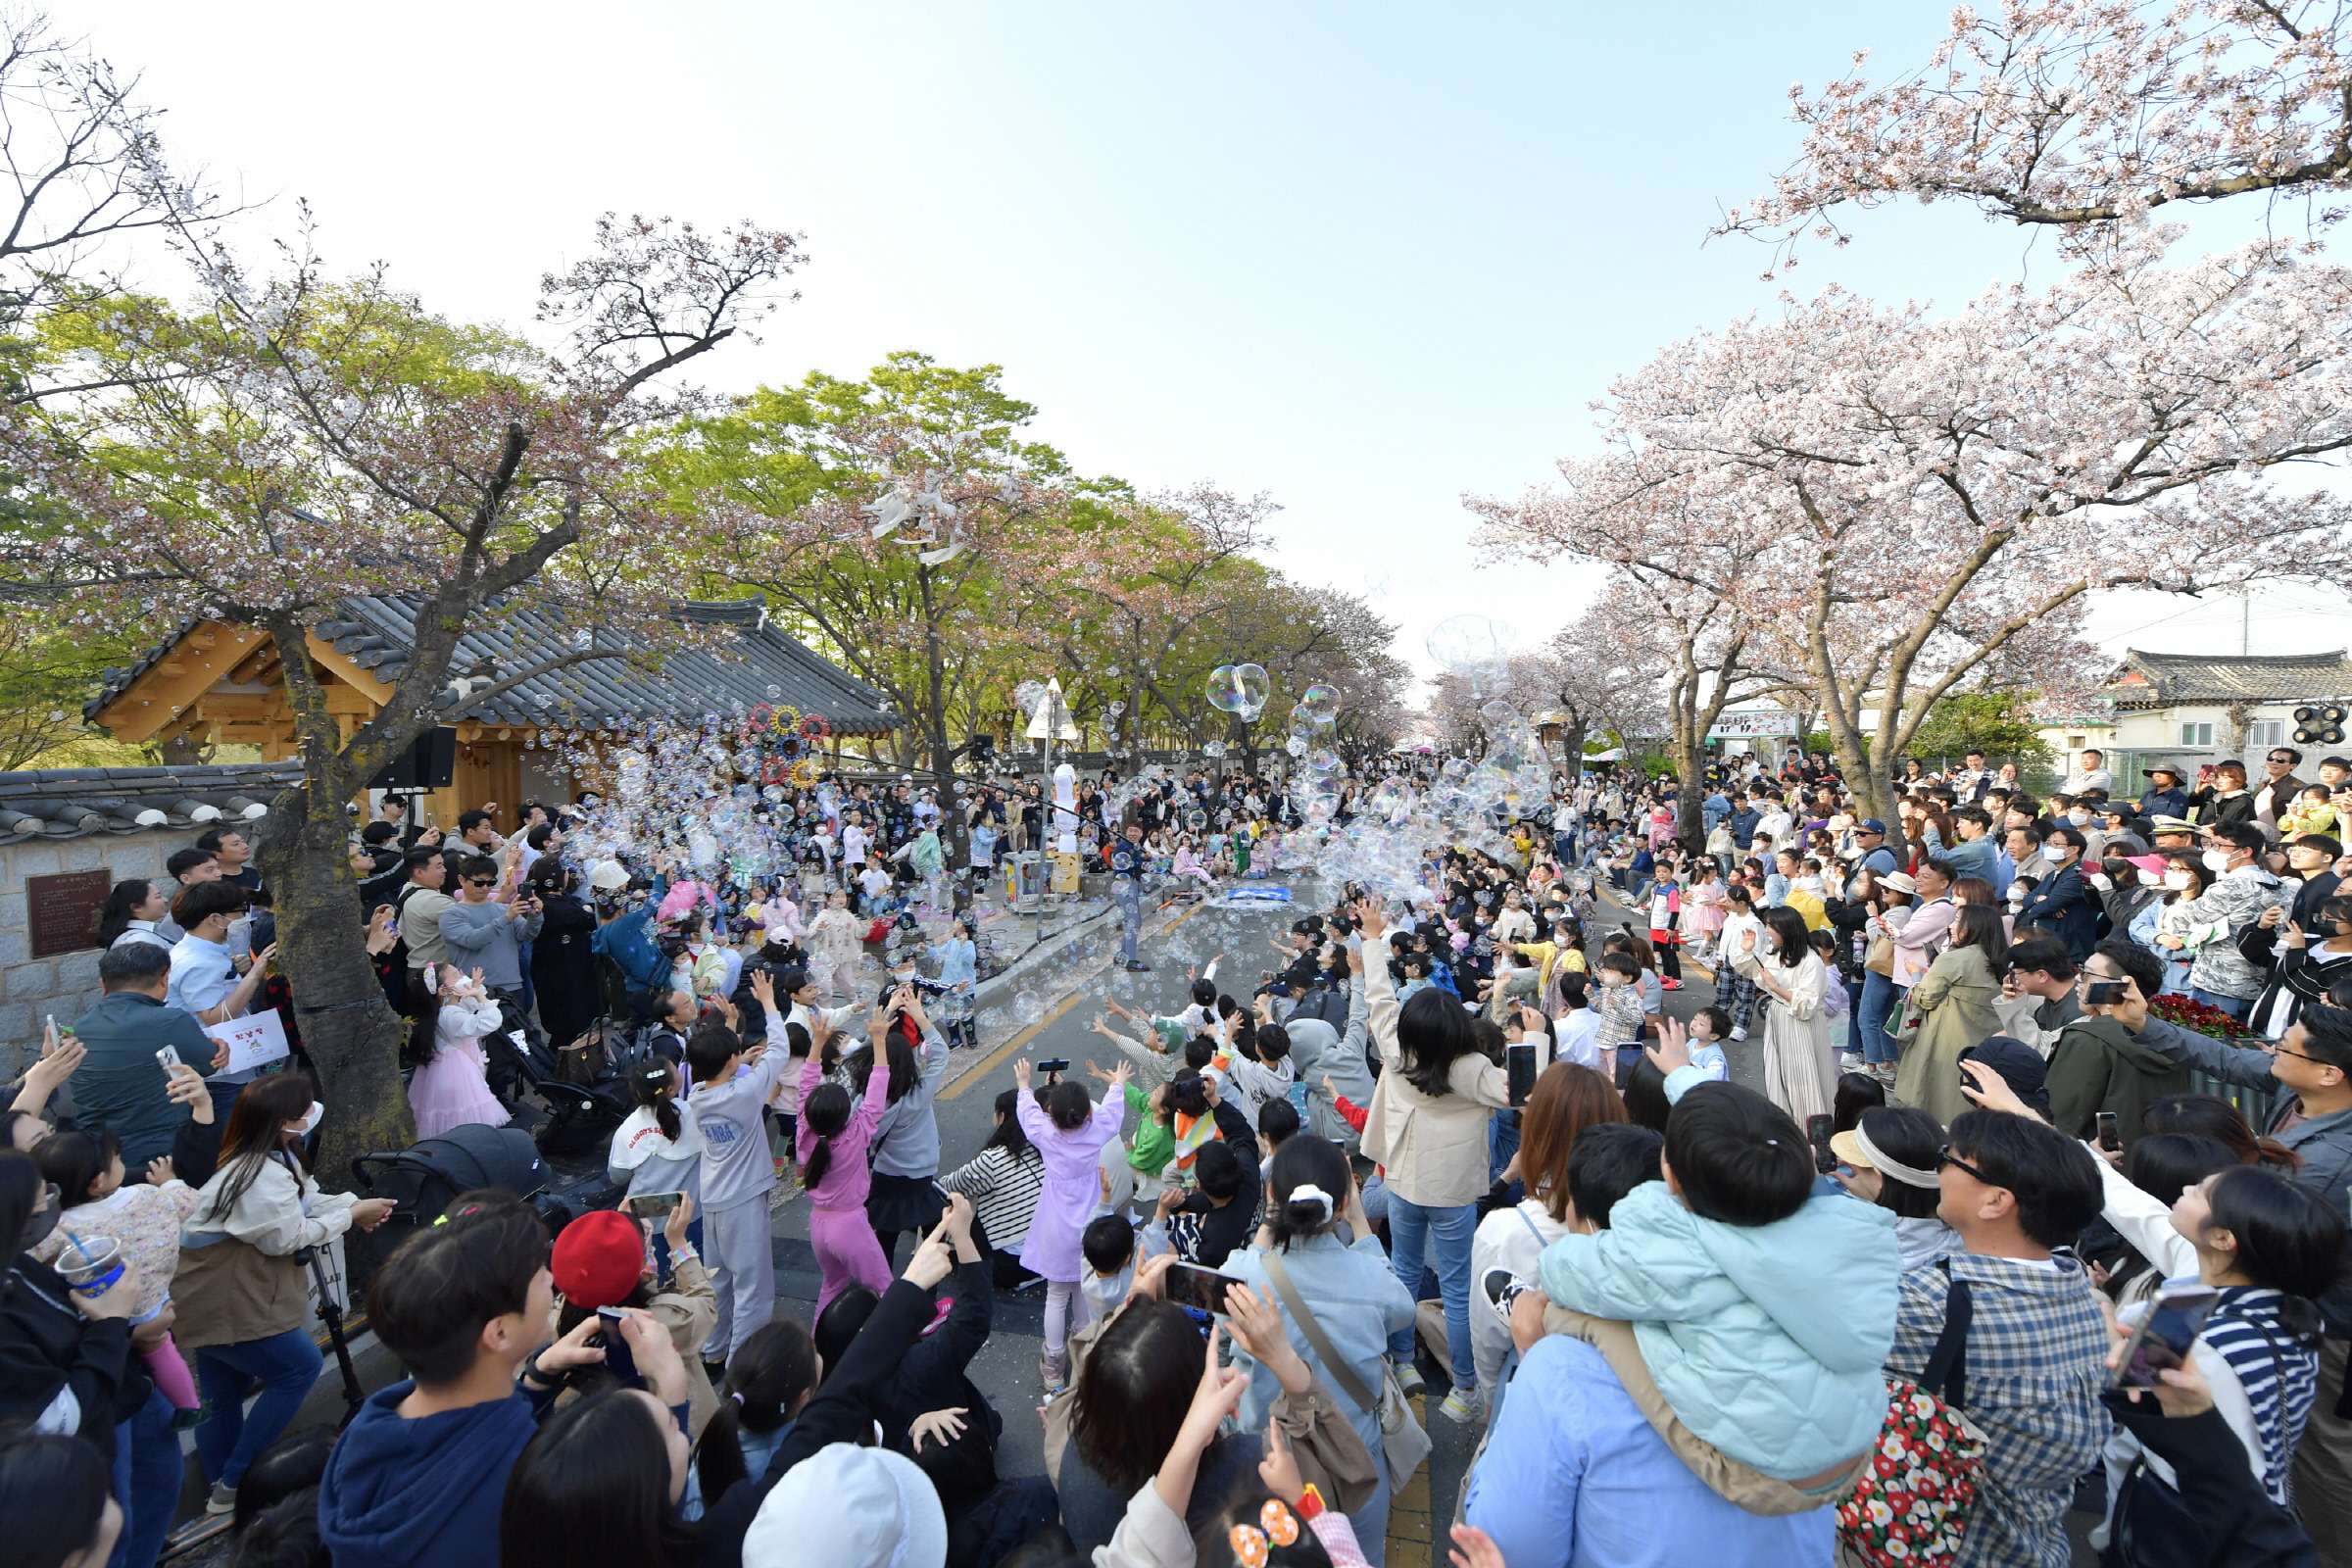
column 310, row 1122
column 2217, row 860
column 2177, row 879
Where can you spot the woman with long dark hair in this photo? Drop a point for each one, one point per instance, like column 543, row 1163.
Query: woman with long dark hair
column 1003, row 1181
column 242, row 1290
column 2272, row 1247
column 56, row 1502
column 1800, row 1059
column 598, row 1487
column 770, row 1377
column 133, row 909
column 1427, row 1127
column 1132, row 1395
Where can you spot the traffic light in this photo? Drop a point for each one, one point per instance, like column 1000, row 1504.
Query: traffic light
column 2320, row 724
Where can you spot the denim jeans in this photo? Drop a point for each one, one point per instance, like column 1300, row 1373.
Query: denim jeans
column 2234, row 1007
column 147, row 1472
column 284, row 1366
column 1878, row 998
column 1413, row 1231
column 1128, row 894
column 1853, row 1019
column 1502, row 1142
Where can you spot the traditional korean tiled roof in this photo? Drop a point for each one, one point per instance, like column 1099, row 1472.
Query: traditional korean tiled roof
column 767, row 665
column 2162, row 680
column 71, row 802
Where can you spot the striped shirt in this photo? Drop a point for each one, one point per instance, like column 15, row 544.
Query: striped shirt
column 1004, row 1190
column 2280, row 1374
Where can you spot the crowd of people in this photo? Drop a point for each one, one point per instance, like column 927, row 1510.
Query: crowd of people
column 2038, row 1206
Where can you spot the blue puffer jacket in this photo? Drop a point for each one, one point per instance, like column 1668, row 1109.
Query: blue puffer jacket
column 629, row 942
column 1766, row 1339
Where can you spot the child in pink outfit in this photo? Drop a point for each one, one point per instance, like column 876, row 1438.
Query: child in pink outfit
column 1069, row 1131
column 144, row 1220
column 450, row 1085
column 847, row 1253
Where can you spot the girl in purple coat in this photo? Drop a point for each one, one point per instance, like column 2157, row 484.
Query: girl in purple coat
column 831, row 1143
column 1069, row 1130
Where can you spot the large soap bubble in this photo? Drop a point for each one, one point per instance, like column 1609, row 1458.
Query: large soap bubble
column 1473, row 647
column 1319, row 702
column 1239, row 690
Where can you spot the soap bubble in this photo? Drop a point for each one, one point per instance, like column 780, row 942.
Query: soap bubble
column 1239, row 690
column 1295, row 746
column 1027, row 1009
column 774, row 692
column 1213, row 750
column 1196, row 819
column 1472, row 646
column 1320, row 702
column 1323, row 762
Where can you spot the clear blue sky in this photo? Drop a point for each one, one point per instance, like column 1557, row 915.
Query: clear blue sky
column 1364, row 257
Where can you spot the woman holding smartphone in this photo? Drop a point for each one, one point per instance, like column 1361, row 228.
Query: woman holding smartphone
column 1346, row 1282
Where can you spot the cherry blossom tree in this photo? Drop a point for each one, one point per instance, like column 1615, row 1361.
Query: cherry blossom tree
column 2084, row 115
column 291, row 440
column 1890, row 501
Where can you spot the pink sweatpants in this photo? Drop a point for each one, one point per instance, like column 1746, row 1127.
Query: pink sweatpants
column 847, row 1254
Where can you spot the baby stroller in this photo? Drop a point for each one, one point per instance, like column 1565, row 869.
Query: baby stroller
column 423, row 1181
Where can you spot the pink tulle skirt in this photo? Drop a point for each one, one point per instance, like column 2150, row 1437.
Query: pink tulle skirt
column 452, row 1090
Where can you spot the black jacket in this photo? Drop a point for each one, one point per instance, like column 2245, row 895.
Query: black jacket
column 841, row 1412
column 931, row 1375
column 47, row 1346
column 2218, row 1517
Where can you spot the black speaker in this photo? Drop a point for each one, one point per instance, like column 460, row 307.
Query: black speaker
column 429, row 764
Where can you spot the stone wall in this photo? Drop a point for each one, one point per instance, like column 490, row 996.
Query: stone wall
column 66, row 985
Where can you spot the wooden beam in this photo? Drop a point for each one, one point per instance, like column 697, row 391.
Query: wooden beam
column 166, row 689
column 344, row 669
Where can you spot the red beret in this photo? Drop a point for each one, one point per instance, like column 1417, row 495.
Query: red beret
column 599, row 1258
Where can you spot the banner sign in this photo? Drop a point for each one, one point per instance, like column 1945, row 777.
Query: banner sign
column 1749, row 727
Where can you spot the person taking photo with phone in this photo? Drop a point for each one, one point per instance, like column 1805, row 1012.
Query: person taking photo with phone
column 2101, row 1061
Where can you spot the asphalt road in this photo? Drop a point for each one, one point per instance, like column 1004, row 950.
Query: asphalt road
column 1005, row 1370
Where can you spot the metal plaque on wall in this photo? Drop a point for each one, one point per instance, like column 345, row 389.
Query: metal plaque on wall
column 64, row 911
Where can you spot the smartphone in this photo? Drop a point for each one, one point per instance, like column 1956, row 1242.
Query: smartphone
column 167, row 1059
column 651, row 1205
column 1057, row 1065
column 1817, row 1133
column 620, row 1359
column 1520, row 1062
column 2163, row 1337
column 2103, row 992
column 1190, row 1285
column 2110, row 1135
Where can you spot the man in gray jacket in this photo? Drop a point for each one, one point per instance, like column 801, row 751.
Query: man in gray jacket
column 481, row 934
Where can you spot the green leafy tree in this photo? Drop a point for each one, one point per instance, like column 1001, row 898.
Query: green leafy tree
column 1996, row 723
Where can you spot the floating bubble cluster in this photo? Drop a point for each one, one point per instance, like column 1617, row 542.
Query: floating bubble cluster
column 1240, row 690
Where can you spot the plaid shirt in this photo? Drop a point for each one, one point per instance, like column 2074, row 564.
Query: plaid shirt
column 2036, row 1352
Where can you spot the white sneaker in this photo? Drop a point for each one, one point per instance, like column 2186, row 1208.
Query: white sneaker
column 1738, row 1033
column 1408, row 1376
column 1463, row 1405
column 1850, row 1061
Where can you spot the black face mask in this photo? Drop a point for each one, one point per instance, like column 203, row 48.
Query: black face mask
column 42, row 1220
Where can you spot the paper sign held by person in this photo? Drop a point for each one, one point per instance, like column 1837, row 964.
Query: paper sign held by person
column 253, row 1040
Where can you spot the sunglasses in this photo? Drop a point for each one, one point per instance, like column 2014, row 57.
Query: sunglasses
column 2287, row 762
column 1944, row 1157
column 481, row 881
